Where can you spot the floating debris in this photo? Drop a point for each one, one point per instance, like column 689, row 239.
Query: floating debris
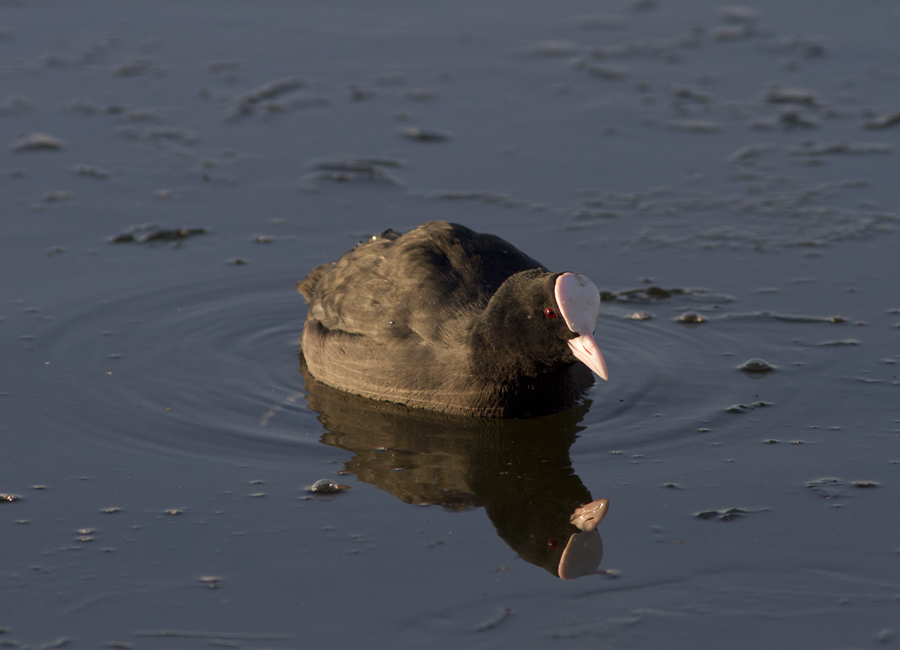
column 36, row 142
column 148, row 233
column 644, row 294
column 52, row 645
column 488, row 198
column 91, row 171
column 8, row 498
column 639, row 315
column 828, row 487
column 756, row 366
column 883, row 121
column 343, row 170
column 57, row 196
column 743, row 408
column 246, row 103
column 691, row 318
column 423, row 135
column 750, row 152
column 808, row 46
column 652, row 293
column 657, row 293
column 786, row 318
column 172, row 134
column 89, row 108
column 795, row 119
column 134, row 67
column 690, row 93
column 360, row 93
column 355, row 164
column 326, row 486
column 840, row 147
column 609, row 72
column 215, row 636
column 784, row 95
column 833, row 488
column 211, row 582
column 729, row 514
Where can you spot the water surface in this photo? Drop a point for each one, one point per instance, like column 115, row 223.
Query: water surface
column 157, row 433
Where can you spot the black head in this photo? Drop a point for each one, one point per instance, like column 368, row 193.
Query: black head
column 539, row 322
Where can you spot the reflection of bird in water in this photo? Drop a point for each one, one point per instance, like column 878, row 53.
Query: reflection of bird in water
column 450, row 320
column 518, row 470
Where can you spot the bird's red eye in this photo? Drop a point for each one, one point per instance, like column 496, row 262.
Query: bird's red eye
column 552, row 544
column 550, row 312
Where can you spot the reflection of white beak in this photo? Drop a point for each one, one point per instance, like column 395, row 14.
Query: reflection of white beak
column 584, row 550
column 585, row 350
column 589, row 515
column 582, row 555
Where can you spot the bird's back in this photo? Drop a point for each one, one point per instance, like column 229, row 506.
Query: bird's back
column 415, row 285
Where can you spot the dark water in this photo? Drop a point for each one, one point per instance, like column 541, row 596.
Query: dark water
column 156, row 437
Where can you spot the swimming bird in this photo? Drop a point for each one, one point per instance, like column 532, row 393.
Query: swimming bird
column 446, row 319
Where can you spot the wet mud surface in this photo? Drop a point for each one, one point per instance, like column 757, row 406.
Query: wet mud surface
column 725, row 174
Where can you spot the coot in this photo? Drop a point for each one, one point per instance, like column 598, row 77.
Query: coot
column 446, row 319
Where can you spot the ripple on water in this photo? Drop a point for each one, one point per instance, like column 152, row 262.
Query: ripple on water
column 666, row 380
column 211, row 368
column 194, row 368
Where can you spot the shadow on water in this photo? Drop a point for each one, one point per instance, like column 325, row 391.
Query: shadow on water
column 519, row 471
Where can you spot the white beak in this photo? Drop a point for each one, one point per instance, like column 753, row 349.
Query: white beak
column 579, row 303
column 585, row 350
